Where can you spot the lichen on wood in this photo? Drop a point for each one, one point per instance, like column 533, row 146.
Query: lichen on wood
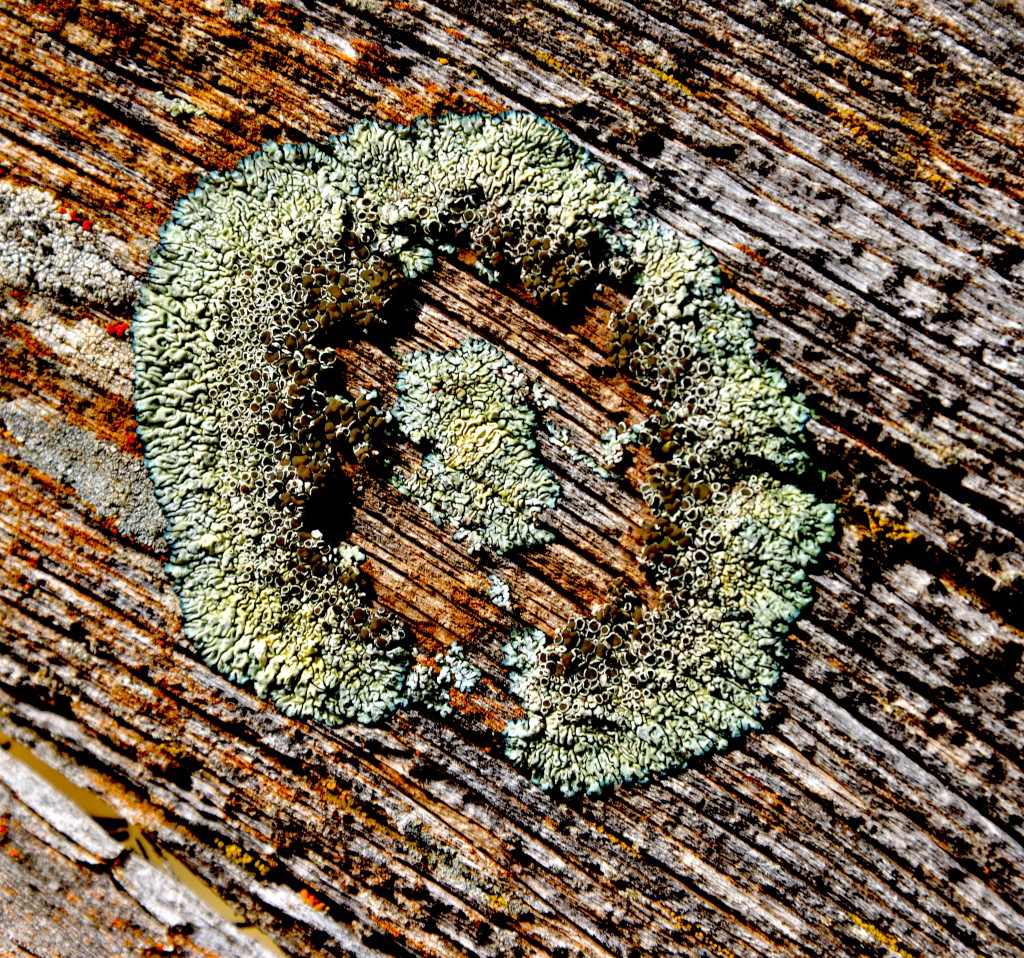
column 856, row 171
column 263, row 270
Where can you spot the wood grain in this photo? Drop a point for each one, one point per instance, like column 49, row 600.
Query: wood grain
column 856, row 168
column 68, row 888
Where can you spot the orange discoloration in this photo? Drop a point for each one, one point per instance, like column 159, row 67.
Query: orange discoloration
column 477, row 707
column 310, row 899
column 484, row 102
column 32, row 367
column 752, row 253
column 431, row 100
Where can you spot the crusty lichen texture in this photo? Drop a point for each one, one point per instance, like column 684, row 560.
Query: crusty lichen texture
column 46, row 249
column 634, row 690
column 471, row 405
column 431, row 684
column 266, row 269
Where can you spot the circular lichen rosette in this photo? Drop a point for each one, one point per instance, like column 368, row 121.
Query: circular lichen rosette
column 265, row 270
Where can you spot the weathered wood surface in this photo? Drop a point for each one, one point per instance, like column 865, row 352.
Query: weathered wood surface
column 68, row 888
column 856, row 168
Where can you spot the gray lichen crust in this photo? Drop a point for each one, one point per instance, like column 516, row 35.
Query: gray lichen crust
column 266, row 269
column 43, row 248
column 482, row 477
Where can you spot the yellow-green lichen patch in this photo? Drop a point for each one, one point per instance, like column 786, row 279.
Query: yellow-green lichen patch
column 260, row 274
column 178, row 106
column 634, row 690
column 482, row 477
column 232, row 339
column 266, row 269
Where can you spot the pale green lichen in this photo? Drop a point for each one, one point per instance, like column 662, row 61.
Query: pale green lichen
column 430, row 684
column 237, row 13
column 498, row 592
column 482, row 476
column 178, row 106
column 265, row 269
column 561, row 438
column 261, row 271
column 616, row 440
column 636, row 690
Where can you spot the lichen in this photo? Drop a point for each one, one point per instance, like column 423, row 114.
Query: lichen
column 430, row 683
column 237, row 13
column 178, row 106
column 266, row 269
column 561, row 438
column 498, row 592
column 108, row 480
column 635, row 690
column 241, row 439
column 471, row 405
column 46, row 249
column 434, row 850
column 615, row 441
column 243, row 859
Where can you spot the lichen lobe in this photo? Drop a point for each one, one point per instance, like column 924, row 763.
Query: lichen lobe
column 481, row 476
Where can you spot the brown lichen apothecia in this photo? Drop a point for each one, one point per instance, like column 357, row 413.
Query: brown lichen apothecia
column 264, row 269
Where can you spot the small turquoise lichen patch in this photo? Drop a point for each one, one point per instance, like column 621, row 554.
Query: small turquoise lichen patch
column 430, row 684
column 498, row 592
column 482, row 477
column 560, row 437
column 265, row 270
